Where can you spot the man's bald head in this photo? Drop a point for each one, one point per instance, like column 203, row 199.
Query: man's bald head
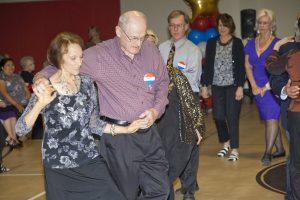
column 132, row 17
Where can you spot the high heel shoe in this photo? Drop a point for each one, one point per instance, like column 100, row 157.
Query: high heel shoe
column 13, row 144
column 3, row 169
column 266, row 159
column 278, row 154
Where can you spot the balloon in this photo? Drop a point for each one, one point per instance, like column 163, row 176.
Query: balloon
column 202, row 46
column 211, row 33
column 196, row 36
column 202, row 7
column 201, row 23
column 213, row 19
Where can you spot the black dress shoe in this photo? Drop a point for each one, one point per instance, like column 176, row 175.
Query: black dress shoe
column 278, row 154
column 188, row 196
column 266, row 159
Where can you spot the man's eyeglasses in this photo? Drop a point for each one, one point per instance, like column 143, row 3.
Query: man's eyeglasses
column 176, row 26
column 133, row 38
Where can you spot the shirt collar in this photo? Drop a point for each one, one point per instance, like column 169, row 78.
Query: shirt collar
column 179, row 43
column 122, row 53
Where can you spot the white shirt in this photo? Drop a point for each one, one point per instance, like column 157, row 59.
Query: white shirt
column 187, row 57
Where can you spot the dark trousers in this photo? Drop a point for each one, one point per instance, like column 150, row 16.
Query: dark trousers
column 289, row 195
column 91, row 181
column 182, row 157
column 188, row 177
column 138, row 164
column 294, row 130
column 226, row 112
column 2, row 140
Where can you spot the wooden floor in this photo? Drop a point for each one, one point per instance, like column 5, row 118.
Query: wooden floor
column 218, row 178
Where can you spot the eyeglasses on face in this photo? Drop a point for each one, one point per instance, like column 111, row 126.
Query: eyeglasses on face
column 176, row 26
column 133, row 38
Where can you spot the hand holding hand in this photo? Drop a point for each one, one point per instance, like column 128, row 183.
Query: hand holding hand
column 148, row 118
column 40, row 86
column 47, row 96
column 134, row 126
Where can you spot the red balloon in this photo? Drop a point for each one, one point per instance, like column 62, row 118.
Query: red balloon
column 213, row 20
column 201, row 23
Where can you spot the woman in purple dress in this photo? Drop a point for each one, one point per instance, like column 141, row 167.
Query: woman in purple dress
column 256, row 51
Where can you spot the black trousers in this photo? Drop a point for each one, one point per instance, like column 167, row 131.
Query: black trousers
column 91, row 181
column 188, row 178
column 294, row 130
column 182, row 157
column 226, row 112
column 2, row 140
column 138, row 164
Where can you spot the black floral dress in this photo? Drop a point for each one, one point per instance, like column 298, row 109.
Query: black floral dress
column 70, row 155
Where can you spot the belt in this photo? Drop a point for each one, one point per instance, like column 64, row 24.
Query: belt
column 114, row 121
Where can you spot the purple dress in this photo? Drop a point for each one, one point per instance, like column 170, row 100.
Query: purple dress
column 268, row 105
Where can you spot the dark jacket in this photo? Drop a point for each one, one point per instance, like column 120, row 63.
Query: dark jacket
column 238, row 59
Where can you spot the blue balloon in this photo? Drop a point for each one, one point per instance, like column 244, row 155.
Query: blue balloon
column 211, row 33
column 197, row 36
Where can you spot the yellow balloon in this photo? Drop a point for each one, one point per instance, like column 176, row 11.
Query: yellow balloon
column 202, row 7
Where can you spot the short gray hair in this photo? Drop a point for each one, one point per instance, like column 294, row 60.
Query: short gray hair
column 24, row 59
column 125, row 17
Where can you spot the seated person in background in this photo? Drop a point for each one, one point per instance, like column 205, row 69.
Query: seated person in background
column 2, row 143
column 8, row 119
column 94, row 37
column 28, row 66
column 13, row 92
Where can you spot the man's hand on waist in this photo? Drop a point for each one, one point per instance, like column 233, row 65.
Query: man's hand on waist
column 148, row 117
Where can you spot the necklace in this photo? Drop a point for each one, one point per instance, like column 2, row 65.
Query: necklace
column 262, row 44
column 69, row 87
column 225, row 43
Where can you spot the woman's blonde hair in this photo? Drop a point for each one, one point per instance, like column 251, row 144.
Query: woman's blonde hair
column 269, row 13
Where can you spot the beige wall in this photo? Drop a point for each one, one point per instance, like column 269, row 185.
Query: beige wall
column 158, row 10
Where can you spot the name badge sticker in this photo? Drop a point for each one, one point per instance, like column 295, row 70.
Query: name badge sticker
column 149, row 79
column 181, row 65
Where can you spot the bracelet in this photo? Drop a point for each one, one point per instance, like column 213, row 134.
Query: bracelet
column 112, row 129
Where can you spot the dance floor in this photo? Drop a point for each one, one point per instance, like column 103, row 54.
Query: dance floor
column 218, row 178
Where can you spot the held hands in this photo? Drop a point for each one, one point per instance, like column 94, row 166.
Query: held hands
column 48, row 95
column 40, row 85
column 134, row 126
column 148, row 118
